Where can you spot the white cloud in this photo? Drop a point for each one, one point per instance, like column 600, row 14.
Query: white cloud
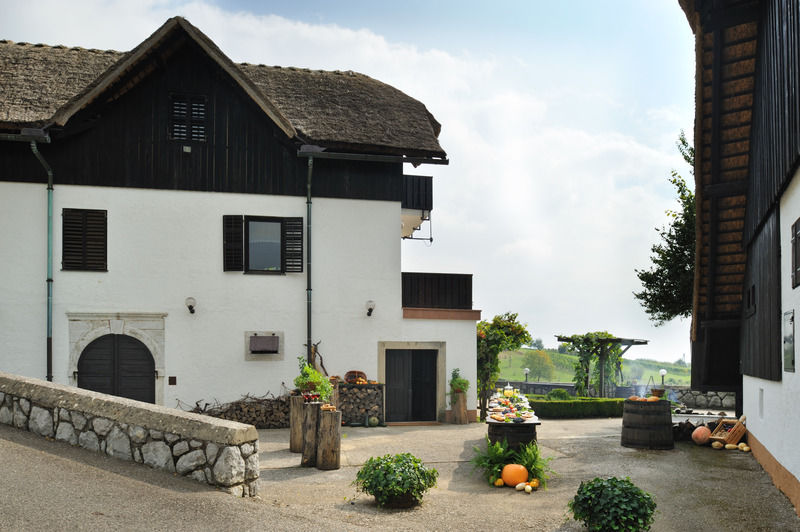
column 555, row 184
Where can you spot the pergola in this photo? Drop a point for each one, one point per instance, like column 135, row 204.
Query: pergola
column 604, row 344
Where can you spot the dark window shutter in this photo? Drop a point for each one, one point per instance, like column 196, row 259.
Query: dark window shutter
column 795, row 254
column 232, row 243
column 84, row 237
column 292, row 239
column 188, row 118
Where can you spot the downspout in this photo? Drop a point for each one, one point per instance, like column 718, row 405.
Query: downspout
column 33, row 136
column 49, row 171
column 309, row 345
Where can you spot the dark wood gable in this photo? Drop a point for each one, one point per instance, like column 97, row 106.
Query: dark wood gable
column 178, row 121
column 726, row 40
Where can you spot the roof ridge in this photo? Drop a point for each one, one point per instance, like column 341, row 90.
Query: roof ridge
column 348, row 72
column 60, row 47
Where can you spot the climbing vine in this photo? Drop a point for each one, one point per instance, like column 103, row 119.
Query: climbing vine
column 587, row 347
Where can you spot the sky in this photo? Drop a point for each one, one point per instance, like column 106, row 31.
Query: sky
column 559, row 120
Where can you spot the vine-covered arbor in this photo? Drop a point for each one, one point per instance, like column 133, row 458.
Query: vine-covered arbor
column 598, row 345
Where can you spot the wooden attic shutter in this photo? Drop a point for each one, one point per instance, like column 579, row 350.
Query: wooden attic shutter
column 232, row 243
column 292, row 238
column 84, row 235
column 795, row 254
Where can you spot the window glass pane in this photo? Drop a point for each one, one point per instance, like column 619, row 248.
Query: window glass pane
column 264, row 246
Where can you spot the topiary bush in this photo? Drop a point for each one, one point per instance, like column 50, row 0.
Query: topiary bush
column 558, row 394
column 397, row 480
column 613, row 504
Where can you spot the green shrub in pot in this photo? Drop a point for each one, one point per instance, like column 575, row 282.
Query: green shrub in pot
column 613, row 504
column 397, row 480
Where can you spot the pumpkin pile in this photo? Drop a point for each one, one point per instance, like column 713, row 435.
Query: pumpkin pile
column 516, row 475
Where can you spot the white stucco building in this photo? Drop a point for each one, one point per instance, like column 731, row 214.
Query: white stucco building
column 182, row 227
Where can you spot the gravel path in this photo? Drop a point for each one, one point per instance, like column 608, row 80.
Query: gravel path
column 49, row 485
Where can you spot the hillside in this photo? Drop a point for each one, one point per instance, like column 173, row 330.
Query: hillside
column 641, row 370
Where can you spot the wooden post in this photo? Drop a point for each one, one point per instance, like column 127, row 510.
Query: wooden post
column 459, row 405
column 296, row 423
column 310, row 427
column 329, row 440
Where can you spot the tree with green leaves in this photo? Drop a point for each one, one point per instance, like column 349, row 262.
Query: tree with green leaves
column 537, row 344
column 669, row 284
column 540, row 364
column 503, row 333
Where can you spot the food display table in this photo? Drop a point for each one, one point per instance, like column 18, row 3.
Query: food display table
column 510, row 418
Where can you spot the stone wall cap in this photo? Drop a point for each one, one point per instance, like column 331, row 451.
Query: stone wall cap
column 154, row 417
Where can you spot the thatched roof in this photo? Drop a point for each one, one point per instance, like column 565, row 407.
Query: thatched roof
column 43, row 85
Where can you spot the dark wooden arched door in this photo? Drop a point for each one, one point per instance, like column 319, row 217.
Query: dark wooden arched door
column 118, row 365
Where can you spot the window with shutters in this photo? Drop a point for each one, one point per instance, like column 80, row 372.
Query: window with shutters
column 795, row 254
column 83, row 240
column 188, row 117
column 262, row 244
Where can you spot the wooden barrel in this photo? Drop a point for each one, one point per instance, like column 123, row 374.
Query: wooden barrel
column 647, row 425
column 514, row 433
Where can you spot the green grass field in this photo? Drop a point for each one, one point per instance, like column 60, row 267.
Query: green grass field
column 513, row 362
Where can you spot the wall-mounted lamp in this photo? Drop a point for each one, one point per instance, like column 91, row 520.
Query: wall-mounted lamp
column 370, row 307
column 190, row 304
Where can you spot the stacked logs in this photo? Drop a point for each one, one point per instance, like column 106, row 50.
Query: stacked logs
column 263, row 412
column 358, row 402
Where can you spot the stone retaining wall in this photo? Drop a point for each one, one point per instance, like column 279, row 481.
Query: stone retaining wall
column 214, row 451
column 709, row 400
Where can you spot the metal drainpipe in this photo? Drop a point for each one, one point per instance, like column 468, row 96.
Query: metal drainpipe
column 309, row 345
column 49, row 170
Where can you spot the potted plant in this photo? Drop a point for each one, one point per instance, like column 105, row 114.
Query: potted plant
column 396, row 481
column 613, row 504
column 311, row 381
column 458, row 396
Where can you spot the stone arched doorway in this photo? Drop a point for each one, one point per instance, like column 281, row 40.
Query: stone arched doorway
column 119, row 365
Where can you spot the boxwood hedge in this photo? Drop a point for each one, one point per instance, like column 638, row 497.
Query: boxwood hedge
column 578, row 407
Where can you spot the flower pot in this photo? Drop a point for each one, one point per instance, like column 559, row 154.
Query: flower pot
column 404, row 500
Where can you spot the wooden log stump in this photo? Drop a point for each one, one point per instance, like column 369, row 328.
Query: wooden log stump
column 329, row 440
column 459, row 400
column 296, row 423
column 310, row 428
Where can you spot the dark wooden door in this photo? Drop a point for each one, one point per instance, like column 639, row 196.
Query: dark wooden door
column 411, row 384
column 118, row 365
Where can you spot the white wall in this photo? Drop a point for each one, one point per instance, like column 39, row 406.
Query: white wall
column 770, row 405
column 164, row 246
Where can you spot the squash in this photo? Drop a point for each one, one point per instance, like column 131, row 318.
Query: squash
column 499, row 483
column 520, row 486
column 653, row 399
column 717, row 445
column 534, row 483
column 730, row 446
column 701, row 435
column 528, row 489
column 745, row 449
column 513, row 474
column 633, row 398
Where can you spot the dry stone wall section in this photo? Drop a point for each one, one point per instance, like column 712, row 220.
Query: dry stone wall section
column 216, row 452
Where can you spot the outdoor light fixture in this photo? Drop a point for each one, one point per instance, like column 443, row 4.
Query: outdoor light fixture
column 662, row 372
column 526, row 370
column 370, row 307
column 190, row 304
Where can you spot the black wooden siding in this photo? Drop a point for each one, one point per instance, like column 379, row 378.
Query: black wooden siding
column 437, row 290
column 124, row 140
column 761, row 337
column 776, row 123
column 417, row 192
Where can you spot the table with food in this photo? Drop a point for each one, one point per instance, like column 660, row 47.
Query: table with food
column 510, row 417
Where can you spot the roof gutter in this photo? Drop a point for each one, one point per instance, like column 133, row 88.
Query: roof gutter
column 308, row 150
column 33, row 136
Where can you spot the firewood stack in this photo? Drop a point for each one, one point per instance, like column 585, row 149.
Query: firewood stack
column 360, row 401
column 263, row 412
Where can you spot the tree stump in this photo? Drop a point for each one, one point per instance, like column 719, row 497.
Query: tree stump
column 329, row 440
column 459, row 401
column 310, row 428
column 296, row 423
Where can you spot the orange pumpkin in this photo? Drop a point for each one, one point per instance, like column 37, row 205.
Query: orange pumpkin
column 513, row 474
column 653, row 399
column 534, row 483
column 701, row 435
column 633, row 398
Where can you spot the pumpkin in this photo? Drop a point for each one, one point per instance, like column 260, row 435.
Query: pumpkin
column 633, row 398
column 499, row 483
column 701, row 435
column 653, row 399
column 513, row 474
column 534, row 483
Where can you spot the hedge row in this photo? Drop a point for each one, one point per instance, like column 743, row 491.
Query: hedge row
column 577, row 408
